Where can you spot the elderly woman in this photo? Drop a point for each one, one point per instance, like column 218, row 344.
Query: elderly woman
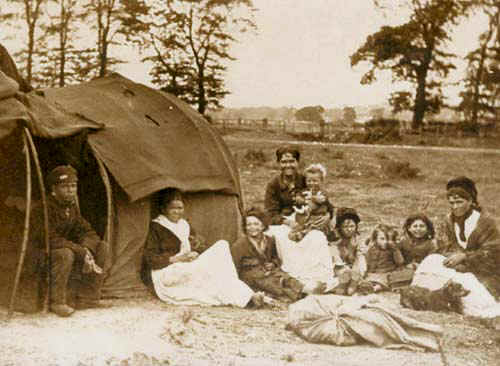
column 180, row 275
column 307, row 260
column 471, row 251
column 419, row 239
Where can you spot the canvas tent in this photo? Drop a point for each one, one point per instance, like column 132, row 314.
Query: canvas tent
column 128, row 142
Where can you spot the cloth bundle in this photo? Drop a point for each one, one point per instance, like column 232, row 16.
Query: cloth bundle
column 345, row 321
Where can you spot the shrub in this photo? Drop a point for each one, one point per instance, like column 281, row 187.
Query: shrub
column 399, row 169
column 337, row 155
column 255, row 156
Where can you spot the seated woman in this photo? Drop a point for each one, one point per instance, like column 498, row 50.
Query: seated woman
column 348, row 252
column 279, row 197
column 418, row 241
column 471, row 252
column 308, row 259
column 180, row 275
column 258, row 264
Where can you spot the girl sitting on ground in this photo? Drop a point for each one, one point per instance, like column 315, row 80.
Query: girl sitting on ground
column 418, row 241
column 258, row 264
column 312, row 205
column 348, row 252
column 382, row 258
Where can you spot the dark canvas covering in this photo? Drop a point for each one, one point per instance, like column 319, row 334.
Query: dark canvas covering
column 146, row 139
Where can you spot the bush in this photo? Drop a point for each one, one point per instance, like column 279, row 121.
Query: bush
column 255, row 156
column 337, row 155
column 399, row 169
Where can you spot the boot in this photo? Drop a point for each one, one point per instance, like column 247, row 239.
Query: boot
column 61, row 310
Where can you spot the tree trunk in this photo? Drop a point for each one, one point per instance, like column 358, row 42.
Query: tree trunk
column 202, row 102
column 29, row 61
column 103, row 59
column 420, row 102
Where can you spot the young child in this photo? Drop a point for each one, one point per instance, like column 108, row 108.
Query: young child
column 418, row 241
column 383, row 256
column 348, row 252
column 257, row 262
column 312, row 205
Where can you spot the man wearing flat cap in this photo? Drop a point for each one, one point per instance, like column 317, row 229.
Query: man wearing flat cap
column 74, row 245
column 472, row 237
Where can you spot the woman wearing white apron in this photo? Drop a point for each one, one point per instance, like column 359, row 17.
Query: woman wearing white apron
column 180, row 275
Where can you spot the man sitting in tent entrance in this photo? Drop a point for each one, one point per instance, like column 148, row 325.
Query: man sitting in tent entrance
column 74, row 245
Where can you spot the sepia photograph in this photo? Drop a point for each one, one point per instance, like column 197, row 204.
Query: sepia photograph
column 249, row 182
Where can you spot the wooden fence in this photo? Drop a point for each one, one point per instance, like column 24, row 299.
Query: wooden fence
column 331, row 129
column 284, row 126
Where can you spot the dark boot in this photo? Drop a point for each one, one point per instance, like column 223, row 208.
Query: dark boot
column 61, row 265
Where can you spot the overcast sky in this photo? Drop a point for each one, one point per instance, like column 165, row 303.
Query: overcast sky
column 300, row 55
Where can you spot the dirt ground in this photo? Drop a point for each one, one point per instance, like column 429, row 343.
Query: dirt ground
column 147, row 332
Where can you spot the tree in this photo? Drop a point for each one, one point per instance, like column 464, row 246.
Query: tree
column 189, row 43
column 107, row 18
column 310, row 114
column 414, row 52
column 58, row 56
column 482, row 82
column 349, row 114
column 30, row 11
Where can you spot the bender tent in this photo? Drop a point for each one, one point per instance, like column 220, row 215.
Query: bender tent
column 127, row 142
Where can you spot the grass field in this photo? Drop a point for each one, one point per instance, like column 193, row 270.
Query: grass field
column 384, row 184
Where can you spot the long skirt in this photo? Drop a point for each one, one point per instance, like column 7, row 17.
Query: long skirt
column 210, row 280
column 307, row 260
column 432, row 274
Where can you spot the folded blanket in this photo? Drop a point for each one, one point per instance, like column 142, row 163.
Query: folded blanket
column 345, row 321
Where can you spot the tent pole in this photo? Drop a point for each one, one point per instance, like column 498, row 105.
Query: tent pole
column 109, row 196
column 45, row 219
column 24, row 244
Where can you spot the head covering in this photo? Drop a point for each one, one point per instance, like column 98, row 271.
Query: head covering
column 419, row 216
column 258, row 213
column 287, row 150
column 344, row 213
column 463, row 187
column 62, row 174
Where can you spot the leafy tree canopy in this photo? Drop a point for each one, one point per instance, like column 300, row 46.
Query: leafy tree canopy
column 310, row 113
column 414, row 52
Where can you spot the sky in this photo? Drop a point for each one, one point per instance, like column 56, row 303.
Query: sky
column 300, row 55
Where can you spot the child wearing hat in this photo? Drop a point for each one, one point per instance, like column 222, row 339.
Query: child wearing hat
column 74, row 245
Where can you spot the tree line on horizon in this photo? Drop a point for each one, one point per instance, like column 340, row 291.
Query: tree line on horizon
column 188, row 42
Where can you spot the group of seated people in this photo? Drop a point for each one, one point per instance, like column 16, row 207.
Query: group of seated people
column 298, row 244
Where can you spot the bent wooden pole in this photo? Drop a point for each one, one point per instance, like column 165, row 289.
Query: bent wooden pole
column 109, row 196
column 24, row 243
column 43, row 197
